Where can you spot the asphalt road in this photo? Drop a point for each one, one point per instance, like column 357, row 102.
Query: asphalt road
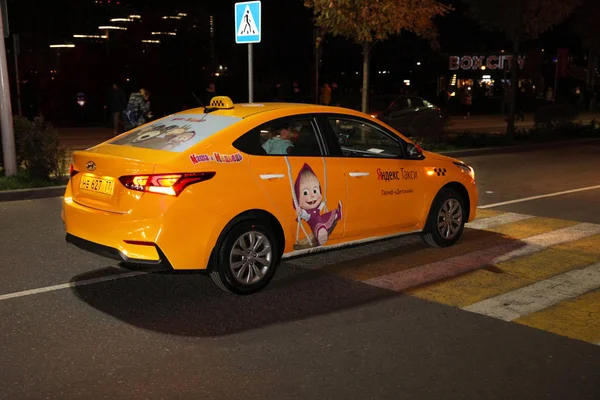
column 371, row 322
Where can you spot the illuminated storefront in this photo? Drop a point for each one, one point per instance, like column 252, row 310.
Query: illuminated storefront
column 484, row 73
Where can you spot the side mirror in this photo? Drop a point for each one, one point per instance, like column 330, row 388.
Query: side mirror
column 414, row 151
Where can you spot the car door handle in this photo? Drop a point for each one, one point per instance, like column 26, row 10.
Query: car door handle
column 271, row 176
column 358, row 174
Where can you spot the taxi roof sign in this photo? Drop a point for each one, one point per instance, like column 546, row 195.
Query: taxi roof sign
column 221, row 102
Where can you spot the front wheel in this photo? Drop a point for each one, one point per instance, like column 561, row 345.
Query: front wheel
column 246, row 259
column 445, row 223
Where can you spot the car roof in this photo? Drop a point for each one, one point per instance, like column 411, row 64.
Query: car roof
column 243, row 110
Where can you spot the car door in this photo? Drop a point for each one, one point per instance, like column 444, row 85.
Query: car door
column 307, row 189
column 385, row 190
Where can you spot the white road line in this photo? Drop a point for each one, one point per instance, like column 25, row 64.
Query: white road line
column 70, row 285
column 490, row 222
column 552, row 238
column 542, row 196
column 540, row 295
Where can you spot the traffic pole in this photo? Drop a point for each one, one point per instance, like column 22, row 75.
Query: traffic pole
column 17, row 78
column 250, row 75
column 6, row 119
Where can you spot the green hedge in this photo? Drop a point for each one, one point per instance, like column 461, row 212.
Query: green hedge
column 39, row 154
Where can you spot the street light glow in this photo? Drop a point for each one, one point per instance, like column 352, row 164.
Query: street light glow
column 119, row 28
column 165, row 33
column 62, row 45
column 418, row 62
column 135, row 16
column 171, row 17
column 182, row 14
column 150, row 41
column 90, row 36
column 121, row 20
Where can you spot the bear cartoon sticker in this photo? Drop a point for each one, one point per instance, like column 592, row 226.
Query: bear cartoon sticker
column 311, row 205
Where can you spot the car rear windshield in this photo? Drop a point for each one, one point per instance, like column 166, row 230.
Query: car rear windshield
column 176, row 133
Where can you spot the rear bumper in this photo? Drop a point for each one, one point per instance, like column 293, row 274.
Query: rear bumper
column 158, row 231
column 112, row 253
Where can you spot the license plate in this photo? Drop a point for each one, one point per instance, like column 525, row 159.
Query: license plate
column 98, row 185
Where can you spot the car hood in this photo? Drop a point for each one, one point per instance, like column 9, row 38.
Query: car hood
column 440, row 157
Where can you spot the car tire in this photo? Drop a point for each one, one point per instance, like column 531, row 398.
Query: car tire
column 246, row 258
column 446, row 220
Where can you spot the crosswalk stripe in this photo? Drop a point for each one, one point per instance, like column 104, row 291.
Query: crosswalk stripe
column 436, row 271
column 530, row 227
column 506, row 218
column 540, row 295
column 481, row 284
column 451, row 267
column 577, row 318
column 552, row 238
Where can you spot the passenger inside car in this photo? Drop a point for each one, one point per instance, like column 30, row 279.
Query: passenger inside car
column 281, row 144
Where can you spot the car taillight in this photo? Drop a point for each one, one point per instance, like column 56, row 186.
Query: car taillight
column 72, row 171
column 169, row 184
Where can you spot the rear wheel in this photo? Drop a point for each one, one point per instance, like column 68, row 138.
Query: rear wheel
column 446, row 222
column 246, row 258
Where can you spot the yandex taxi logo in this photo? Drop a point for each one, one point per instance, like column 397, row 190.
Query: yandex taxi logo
column 396, row 175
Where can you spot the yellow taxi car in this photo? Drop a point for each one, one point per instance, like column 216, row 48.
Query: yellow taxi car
column 234, row 188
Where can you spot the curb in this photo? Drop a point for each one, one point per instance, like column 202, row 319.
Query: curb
column 516, row 149
column 31, row 194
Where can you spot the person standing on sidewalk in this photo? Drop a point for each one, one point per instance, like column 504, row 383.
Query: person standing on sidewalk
column 138, row 109
column 115, row 103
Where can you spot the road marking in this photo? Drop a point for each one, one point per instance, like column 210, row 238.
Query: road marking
column 448, row 268
column 454, row 266
column 540, row 295
column 552, row 238
column 485, row 283
column 70, row 285
column 542, row 196
column 501, row 219
column 577, row 318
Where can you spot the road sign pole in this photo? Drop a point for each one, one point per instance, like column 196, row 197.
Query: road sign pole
column 250, row 75
column 6, row 120
column 17, row 79
column 248, row 19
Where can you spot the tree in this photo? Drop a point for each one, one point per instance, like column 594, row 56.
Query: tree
column 587, row 27
column 369, row 21
column 520, row 20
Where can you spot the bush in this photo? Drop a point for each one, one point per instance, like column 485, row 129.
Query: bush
column 37, row 147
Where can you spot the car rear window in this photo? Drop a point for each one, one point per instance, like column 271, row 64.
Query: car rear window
column 176, row 133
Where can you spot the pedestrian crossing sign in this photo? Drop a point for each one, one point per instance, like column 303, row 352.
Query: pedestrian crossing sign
column 247, row 22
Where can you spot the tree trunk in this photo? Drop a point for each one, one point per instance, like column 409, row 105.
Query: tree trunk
column 514, row 84
column 365, row 88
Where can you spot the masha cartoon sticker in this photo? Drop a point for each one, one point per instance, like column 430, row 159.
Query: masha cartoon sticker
column 311, row 205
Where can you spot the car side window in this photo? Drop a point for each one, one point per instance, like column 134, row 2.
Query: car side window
column 360, row 139
column 282, row 137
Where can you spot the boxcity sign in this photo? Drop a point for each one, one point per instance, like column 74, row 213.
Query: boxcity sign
column 490, row 62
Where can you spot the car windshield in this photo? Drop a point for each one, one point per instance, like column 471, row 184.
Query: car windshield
column 176, row 133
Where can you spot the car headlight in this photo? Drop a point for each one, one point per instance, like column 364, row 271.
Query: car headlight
column 468, row 169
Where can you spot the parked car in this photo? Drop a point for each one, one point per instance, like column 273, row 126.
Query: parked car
column 410, row 115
